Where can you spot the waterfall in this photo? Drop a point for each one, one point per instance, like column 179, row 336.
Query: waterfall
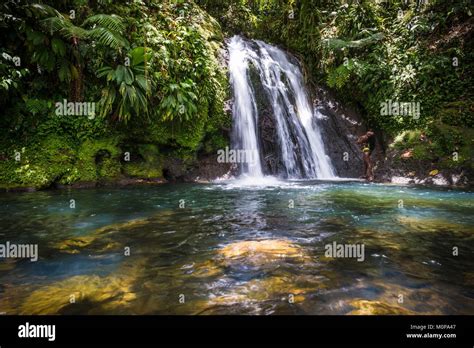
column 244, row 108
column 272, row 115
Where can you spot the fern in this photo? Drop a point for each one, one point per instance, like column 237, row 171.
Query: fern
column 108, row 38
column 39, row 10
column 110, row 22
column 36, row 106
column 106, row 29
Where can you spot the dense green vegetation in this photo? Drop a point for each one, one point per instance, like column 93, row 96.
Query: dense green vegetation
column 152, row 69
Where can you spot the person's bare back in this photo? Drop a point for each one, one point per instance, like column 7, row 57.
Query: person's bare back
column 368, row 145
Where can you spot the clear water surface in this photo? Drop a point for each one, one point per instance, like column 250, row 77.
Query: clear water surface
column 233, row 248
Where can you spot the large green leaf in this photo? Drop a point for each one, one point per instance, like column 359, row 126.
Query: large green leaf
column 58, row 47
column 64, row 72
column 128, row 76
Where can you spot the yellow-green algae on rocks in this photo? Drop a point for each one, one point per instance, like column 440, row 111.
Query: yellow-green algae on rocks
column 96, row 294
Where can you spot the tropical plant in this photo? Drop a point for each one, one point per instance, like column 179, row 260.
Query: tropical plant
column 100, row 29
column 180, row 101
column 128, row 87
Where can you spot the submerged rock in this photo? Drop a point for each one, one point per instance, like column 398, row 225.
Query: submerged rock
column 260, row 251
column 99, row 240
column 364, row 307
column 418, row 224
column 209, row 268
column 84, row 294
column 256, row 290
column 103, row 293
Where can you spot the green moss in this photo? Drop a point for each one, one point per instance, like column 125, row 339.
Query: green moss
column 108, row 167
column 96, row 159
column 143, row 170
column 149, row 166
column 191, row 135
column 407, row 139
column 149, row 152
column 188, row 135
column 458, row 113
column 450, row 146
column 39, row 165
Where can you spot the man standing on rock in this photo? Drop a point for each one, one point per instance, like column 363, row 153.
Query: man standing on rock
column 367, row 141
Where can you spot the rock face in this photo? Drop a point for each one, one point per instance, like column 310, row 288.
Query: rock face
column 341, row 126
column 210, row 169
column 203, row 169
column 399, row 169
column 272, row 163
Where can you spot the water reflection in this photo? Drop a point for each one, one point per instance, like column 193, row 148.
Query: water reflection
column 239, row 251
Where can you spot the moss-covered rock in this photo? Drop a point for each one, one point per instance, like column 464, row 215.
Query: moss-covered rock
column 38, row 165
column 142, row 170
column 96, row 159
column 148, row 165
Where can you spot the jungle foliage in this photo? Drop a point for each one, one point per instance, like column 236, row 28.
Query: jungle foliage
column 151, row 68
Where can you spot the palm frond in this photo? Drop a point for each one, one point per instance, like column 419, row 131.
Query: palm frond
column 111, row 22
column 108, row 38
column 40, row 10
column 64, row 27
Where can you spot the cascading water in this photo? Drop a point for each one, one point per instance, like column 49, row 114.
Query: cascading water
column 299, row 150
column 244, row 108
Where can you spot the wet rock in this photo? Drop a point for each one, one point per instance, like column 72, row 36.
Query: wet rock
column 272, row 163
column 92, row 294
column 209, row 169
column 99, row 240
column 260, row 252
column 364, row 307
column 416, row 224
column 256, row 290
column 175, row 170
column 206, row 269
column 401, row 180
column 8, row 265
column 392, row 168
column 340, row 126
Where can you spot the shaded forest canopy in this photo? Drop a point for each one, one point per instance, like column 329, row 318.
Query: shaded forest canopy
column 155, row 71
